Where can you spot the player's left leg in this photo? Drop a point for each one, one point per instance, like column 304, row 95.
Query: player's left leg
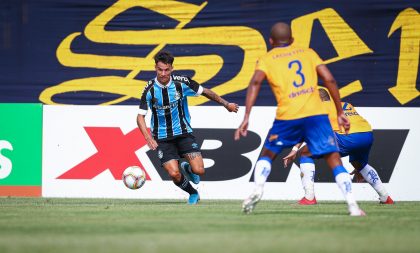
column 358, row 146
column 181, row 181
column 343, row 180
column 371, row 176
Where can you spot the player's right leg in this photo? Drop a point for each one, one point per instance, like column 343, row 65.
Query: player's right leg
column 261, row 172
column 307, row 173
column 168, row 155
column 321, row 141
column 283, row 133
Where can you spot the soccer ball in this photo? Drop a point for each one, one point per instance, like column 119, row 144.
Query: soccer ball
column 134, row 177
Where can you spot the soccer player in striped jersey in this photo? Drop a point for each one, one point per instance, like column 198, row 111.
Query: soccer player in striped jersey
column 292, row 73
column 171, row 132
column 356, row 144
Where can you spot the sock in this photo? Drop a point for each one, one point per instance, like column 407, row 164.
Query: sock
column 307, row 169
column 372, row 177
column 185, row 185
column 343, row 180
column 262, row 171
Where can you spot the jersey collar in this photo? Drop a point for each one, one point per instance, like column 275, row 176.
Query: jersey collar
column 284, row 45
column 161, row 85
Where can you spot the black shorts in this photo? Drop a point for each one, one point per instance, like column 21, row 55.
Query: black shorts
column 177, row 147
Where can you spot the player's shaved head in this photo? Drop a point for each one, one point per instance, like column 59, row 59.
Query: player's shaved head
column 281, row 34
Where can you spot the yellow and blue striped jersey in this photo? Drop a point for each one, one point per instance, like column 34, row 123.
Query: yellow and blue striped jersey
column 292, row 76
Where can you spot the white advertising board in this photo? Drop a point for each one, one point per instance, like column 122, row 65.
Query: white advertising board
column 86, row 148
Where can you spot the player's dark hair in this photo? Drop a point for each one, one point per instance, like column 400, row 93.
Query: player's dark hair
column 323, row 94
column 164, row 57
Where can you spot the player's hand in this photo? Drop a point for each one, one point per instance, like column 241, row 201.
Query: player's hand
column 152, row 144
column 343, row 122
column 359, row 177
column 290, row 157
column 232, row 107
column 242, row 130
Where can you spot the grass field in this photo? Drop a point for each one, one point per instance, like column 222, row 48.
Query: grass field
column 108, row 225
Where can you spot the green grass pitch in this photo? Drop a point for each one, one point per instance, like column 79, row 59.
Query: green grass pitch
column 109, row 225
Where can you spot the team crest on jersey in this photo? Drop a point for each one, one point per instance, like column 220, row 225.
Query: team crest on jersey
column 177, row 95
column 273, row 137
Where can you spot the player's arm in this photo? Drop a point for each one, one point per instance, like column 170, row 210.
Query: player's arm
column 231, row 107
column 330, row 83
column 141, row 123
column 195, row 89
column 293, row 153
column 251, row 96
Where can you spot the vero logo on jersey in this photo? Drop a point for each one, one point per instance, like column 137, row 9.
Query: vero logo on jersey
column 181, row 78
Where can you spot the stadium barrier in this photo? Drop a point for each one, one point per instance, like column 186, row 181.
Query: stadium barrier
column 86, row 149
column 20, row 149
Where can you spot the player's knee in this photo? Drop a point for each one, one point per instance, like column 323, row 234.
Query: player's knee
column 262, row 170
column 305, row 152
column 199, row 169
column 175, row 175
column 358, row 165
column 263, row 165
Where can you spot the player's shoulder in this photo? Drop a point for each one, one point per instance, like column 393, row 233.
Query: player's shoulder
column 148, row 86
column 313, row 52
column 309, row 51
column 181, row 78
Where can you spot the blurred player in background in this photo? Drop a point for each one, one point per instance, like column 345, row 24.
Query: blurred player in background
column 166, row 96
column 356, row 144
column 292, row 72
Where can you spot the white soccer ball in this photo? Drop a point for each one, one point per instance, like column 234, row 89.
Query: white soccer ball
column 134, row 177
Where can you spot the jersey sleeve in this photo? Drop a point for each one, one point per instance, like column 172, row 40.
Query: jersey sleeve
column 261, row 66
column 192, row 88
column 143, row 107
column 316, row 59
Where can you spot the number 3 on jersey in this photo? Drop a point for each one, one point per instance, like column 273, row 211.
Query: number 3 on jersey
column 298, row 72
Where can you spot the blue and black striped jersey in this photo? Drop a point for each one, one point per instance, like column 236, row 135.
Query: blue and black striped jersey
column 169, row 106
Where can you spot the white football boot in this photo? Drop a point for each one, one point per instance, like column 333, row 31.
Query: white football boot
column 354, row 210
column 249, row 204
